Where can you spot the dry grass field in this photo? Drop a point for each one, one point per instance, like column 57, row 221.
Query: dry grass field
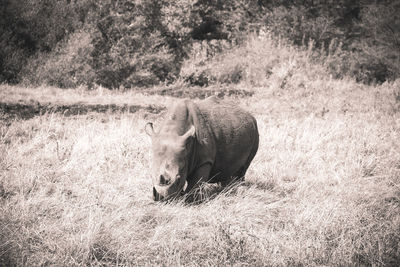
column 324, row 188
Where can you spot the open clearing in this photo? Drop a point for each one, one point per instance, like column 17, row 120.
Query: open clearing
column 323, row 189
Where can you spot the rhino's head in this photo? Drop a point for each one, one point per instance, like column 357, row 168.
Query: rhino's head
column 171, row 154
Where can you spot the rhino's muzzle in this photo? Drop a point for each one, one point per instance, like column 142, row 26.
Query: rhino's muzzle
column 164, row 181
column 156, row 195
column 163, row 192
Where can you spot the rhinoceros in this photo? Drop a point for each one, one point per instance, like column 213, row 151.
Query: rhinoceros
column 205, row 141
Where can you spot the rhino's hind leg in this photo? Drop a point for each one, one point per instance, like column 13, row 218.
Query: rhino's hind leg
column 251, row 156
column 239, row 176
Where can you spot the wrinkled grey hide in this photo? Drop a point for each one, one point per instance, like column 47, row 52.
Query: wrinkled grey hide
column 204, row 141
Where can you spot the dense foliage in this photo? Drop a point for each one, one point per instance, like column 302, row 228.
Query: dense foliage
column 142, row 43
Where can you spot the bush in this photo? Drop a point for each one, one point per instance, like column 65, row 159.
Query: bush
column 379, row 47
column 33, row 29
column 11, row 60
column 67, row 66
column 300, row 25
column 145, row 43
column 259, row 61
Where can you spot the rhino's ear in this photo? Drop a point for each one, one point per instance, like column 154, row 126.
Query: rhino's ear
column 149, row 129
column 190, row 133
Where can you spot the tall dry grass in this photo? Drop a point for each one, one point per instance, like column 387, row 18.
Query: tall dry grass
column 323, row 189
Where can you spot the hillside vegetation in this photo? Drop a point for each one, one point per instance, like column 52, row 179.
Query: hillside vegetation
column 323, row 189
column 131, row 44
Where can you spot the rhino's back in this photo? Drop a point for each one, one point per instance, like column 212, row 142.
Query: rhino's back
column 234, row 136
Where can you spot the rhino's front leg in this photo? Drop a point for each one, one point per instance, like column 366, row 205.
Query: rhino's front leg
column 200, row 175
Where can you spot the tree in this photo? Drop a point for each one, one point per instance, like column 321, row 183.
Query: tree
column 379, row 42
column 31, row 27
